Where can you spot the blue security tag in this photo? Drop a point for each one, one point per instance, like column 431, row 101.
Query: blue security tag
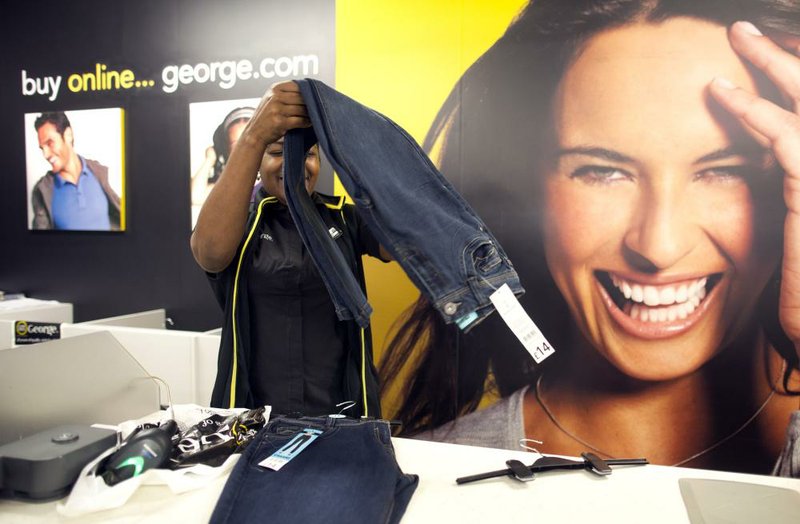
column 466, row 320
column 291, row 449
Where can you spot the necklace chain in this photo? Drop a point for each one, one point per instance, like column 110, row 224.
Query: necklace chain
column 576, row 438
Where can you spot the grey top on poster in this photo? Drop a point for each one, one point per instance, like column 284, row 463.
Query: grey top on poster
column 498, row 426
column 502, row 426
column 789, row 462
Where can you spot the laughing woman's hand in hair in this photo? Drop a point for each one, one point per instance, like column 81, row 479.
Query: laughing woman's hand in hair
column 777, row 127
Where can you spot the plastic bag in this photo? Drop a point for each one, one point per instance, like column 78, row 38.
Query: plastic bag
column 207, row 445
column 213, row 439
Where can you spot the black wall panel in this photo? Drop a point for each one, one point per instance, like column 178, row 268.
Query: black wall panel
column 150, row 264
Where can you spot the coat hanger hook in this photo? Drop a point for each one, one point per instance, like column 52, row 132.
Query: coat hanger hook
column 523, row 443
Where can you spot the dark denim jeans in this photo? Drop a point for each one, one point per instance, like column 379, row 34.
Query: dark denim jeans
column 348, row 474
column 411, row 209
column 342, row 285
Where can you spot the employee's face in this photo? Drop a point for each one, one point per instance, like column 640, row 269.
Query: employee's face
column 662, row 217
column 57, row 149
column 272, row 170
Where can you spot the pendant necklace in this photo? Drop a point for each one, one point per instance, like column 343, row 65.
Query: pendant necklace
column 715, row 445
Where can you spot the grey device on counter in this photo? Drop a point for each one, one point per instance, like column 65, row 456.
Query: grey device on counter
column 50, row 395
column 44, row 466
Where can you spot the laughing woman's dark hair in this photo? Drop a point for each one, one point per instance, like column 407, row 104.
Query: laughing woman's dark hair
column 486, row 139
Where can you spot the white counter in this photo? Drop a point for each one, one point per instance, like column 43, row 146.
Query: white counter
column 631, row 494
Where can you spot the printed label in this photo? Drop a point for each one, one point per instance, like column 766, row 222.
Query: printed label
column 291, row 449
column 521, row 324
column 466, row 320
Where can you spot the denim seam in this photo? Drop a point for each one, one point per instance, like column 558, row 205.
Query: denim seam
column 389, row 450
column 466, row 254
column 493, row 256
column 420, row 280
column 463, row 291
column 333, row 142
column 363, row 310
column 343, row 312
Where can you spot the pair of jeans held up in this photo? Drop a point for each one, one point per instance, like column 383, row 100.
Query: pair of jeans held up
column 412, row 210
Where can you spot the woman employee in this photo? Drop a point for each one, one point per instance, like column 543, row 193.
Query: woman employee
column 282, row 344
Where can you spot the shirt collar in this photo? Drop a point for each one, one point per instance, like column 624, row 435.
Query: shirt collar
column 261, row 194
column 85, row 171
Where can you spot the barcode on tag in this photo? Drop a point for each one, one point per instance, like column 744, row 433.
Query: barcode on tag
column 521, row 324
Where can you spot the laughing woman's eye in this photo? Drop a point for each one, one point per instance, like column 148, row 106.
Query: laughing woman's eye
column 600, row 174
column 727, row 174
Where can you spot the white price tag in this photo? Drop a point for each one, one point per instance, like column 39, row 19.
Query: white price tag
column 521, row 324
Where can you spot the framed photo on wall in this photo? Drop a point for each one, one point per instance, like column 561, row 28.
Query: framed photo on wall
column 214, row 128
column 75, row 164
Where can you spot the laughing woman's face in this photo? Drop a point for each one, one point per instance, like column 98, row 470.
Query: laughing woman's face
column 662, row 216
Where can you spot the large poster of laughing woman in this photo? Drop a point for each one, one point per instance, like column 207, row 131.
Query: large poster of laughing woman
column 638, row 162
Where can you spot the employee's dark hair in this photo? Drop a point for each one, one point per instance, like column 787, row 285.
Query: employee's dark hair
column 220, row 138
column 57, row 118
column 486, row 139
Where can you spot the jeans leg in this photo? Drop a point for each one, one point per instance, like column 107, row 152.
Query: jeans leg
column 342, row 285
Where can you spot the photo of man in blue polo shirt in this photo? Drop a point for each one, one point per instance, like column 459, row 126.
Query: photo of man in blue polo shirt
column 75, row 193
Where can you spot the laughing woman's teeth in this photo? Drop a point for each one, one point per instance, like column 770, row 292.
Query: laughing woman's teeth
column 676, row 301
column 635, row 312
column 651, row 297
column 668, row 295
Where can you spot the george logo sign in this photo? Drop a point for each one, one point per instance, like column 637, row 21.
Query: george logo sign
column 26, row 332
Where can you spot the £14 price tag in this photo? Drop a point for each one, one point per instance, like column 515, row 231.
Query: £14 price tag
column 521, row 323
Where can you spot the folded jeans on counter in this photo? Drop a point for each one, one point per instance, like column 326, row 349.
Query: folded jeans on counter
column 348, row 473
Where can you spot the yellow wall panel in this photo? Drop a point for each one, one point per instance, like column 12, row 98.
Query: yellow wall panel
column 402, row 58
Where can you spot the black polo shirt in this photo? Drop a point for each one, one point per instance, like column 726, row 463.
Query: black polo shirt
column 297, row 347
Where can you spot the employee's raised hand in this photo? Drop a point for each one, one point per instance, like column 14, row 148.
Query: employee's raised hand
column 282, row 108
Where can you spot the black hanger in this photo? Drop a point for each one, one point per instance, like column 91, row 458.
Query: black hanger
column 520, row 471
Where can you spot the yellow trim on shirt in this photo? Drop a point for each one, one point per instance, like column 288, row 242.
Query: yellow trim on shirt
column 236, row 293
